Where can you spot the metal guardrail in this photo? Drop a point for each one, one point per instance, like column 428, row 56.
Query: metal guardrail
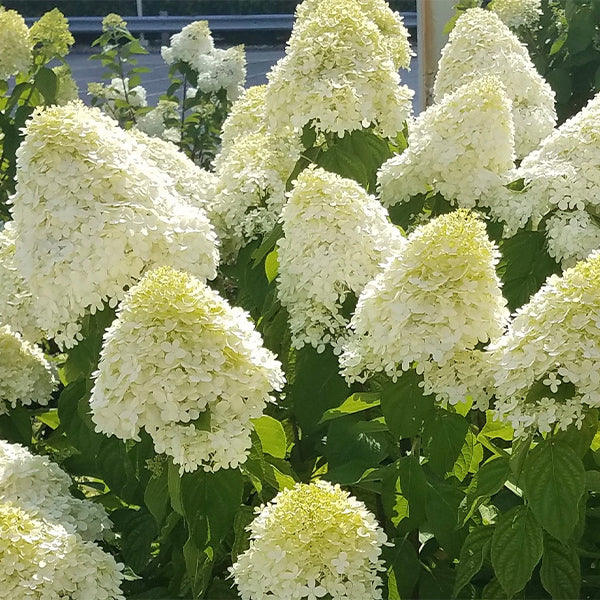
column 169, row 24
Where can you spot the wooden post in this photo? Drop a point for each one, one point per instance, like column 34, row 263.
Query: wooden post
column 432, row 16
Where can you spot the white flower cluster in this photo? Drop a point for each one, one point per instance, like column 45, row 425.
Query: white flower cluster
column 119, row 89
column 154, row 122
column 27, row 376
column 187, row 46
column 41, row 487
column 67, row 91
column 563, row 173
column 41, row 560
column 92, row 213
column 336, row 239
column 546, row 368
column 339, row 73
column 309, row 541
column 192, row 371
column 438, row 297
column 252, row 170
column 389, row 22
column 195, row 185
column 480, row 44
column 15, row 44
column 571, row 236
column 16, row 307
column 517, row 13
column 217, row 69
column 462, row 147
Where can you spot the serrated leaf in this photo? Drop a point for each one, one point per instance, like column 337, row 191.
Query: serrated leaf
column 272, row 436
column 353, row 404
column 156, row 495
column 462, row 466
column 561, row 571
column 554, row 481
column 272, row 265
column 404, row 406
column 446, row 434
column 592, row 481
column 472, row 554
column 404, row 567
column 494, row 429
column 442, row 510
column 517, row 546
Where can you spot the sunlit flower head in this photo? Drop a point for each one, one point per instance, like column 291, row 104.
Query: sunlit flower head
column 15, row 44
column 517, row 13
column 188, row 368
column 480, row 44
column 336, row 238
column 309, row 541
column 546, row 368
column 440, row 296
column 462, row 147
column 93, row 213
column 50, row 35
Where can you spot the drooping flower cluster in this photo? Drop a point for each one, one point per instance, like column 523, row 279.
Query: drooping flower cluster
column 339, row 73
column 216, row 68
column 182, row 364
column 50, row 35
column 480, row 44
column 27, row 376
column 15, row 45
column 517, row 13
column 336, row 239
column 92, row 213
column 438, row 297
column 41, row 487
column 309, row 541
column 252, row 168
column 41, row 560
column 16, row 307
column 462, row 147
column 546, row 368
column 155, row 122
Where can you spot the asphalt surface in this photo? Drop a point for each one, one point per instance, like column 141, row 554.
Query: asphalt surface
column 260, row 60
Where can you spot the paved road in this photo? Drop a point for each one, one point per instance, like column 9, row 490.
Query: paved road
column 260, row 60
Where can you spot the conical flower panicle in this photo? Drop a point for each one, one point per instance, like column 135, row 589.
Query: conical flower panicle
column 92, row 213
column 312, row 540
column 338, row 74
column 336, row 239
column 462, row 147
column 42, row 488
column 440, row 296
column 517, row 13
column 27, row 377
column 15, row 44
column 546, row 368
column 41, row 560
column 480, row 44
column 182, row 364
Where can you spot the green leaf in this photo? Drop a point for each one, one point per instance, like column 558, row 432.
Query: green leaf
column 210, row 502
column 592, row 481
column 580, row 438
column 198, row 565
column 272, row 436
column 405, row 481
column 404, row 406
column 524, row 266
column 554, row 482
column 404, row 567
column 445, row 435
column 46, row 82
column 581, row 31
column 462, row 466
column 272, row 265
column 517, row 546
column 49, row 418
column 496, row 429
column 156, row 495
column 316, row 386
column 474, row 551
column 241, row 543
column 15, row 426
column 353, row 404
column 488, row 481
column 442, row 509
column 137, row 530
column 561, row 571
column 353, row 447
